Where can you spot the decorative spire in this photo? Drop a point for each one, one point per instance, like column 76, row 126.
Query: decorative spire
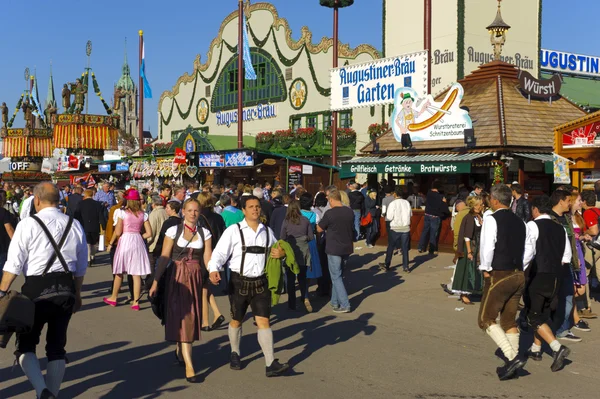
column 497, row 30
column 50, row 98
column 126, row 82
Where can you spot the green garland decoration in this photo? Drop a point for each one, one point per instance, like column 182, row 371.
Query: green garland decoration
column 19, row 103
column 460, row 41
column 99, row 94
column 372, row 111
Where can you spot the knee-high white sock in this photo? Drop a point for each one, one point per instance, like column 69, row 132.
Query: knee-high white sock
column 499, row 336
column 235, row 336
column 31, row 367
column 265, row 339
column 54, row 375
column 514, row 341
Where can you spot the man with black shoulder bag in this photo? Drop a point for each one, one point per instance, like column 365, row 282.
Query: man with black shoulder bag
column 50, row 249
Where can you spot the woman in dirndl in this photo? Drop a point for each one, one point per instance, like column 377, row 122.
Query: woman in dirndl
column 467, row 277
column 187, row 249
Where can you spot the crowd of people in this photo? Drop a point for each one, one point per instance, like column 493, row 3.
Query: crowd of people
column 178, row 244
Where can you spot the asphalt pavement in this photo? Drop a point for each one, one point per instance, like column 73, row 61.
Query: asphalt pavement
column 405, row 338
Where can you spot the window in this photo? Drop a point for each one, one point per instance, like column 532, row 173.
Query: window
column 268, row 87
column 311, row 121
column 296, row 124
column 345, row 119
column 326, row 121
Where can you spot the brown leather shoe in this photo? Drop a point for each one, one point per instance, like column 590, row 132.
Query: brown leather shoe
column 587, row 314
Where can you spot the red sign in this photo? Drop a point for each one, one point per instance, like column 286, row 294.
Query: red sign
column 73, row 162
column 295, row 169
column 180, row 156
column 586, row 136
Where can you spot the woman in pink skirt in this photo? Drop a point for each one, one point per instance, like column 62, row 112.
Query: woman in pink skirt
column 131, row 256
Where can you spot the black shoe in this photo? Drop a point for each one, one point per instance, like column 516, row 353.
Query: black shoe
column 192, row 380
column 536, row 356
column 383, row 266
column 179, row 361
column 235, row 363
column 218, row 322
column 46, row 394
column 206, row 328
column 559, row 358
column 509, row 370
column 446, row 289
column 406, row 270
column 276, row 368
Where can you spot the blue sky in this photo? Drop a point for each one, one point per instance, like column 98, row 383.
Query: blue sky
column 57, row 30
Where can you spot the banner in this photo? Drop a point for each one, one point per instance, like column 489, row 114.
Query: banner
column 421, row 118
column 411, row 168
column 86, row 180
column 561, row 170
column 374, row 83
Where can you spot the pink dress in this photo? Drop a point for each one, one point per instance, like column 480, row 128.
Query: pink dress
column 131, row 256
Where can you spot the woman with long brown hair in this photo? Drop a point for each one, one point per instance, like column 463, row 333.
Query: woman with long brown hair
column 297, row 231
column 131, row 256
column 188, row 246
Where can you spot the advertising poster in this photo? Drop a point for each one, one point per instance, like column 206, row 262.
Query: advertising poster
column 421, row 118
column 561, row 170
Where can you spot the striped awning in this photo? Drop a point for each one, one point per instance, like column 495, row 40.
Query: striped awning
column 97, row 137
column 395, row 159
column 28, row 146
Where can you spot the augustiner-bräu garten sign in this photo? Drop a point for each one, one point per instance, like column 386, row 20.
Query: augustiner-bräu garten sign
column 412, row 168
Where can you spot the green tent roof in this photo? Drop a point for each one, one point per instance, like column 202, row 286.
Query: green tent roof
column 584, row 92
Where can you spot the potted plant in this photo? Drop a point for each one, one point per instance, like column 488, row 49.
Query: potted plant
column 264, row 140
column 285, row 138
column 378, row 129
column 306, row 136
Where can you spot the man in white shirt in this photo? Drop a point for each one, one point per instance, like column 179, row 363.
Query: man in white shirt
column 547, row 252
column 53, row 281
column 398, row 214
column 244, row 247
column 501, row 253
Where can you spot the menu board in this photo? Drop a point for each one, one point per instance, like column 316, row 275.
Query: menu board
column 294, row 176
column 225, row 160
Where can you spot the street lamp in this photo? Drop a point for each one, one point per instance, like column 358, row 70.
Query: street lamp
column 497, row 30
column 336, row 5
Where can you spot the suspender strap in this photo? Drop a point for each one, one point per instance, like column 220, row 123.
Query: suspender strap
column 57, row 247
column 253, row 249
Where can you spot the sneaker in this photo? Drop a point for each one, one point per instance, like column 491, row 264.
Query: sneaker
column 370, row 246
column 587, row 314
column 308, row 306
column 235, row 363
column 569, row 336
column 341, row 310
column 559, row 358
column 537, row 356
column 46, row 394
column 334, row 307
column 582, row 326
column 383, row 266
column 276, row 368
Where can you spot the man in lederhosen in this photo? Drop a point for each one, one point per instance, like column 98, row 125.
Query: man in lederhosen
column 245, row 248
column 50, row 249
column 501, row 251
column 548, row 250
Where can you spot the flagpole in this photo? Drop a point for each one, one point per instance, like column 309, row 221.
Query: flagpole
column 240, row 77
column 141, row 98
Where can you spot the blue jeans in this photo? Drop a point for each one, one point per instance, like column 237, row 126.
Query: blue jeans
column 565, row 302
column 357, row 215
column 431, row 229
column 396, row 240
column 339, row 296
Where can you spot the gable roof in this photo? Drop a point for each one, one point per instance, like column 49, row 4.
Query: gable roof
column 502, row 116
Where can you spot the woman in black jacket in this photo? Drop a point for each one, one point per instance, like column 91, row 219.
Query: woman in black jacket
column 372, row 208
column 216, row 225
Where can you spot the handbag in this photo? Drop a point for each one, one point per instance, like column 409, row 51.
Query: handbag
column 16, row 314
column 366, row 220
column 101, row 244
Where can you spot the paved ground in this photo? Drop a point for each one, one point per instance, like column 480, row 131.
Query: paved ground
column 404, row 339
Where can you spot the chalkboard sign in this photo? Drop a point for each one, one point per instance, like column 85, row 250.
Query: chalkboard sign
column 295, row 176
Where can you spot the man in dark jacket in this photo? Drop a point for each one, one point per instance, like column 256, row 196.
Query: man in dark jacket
column 74, row 199
column 279, row 211
column 91, row 215
column 436, row 209
column 357, row 204
column 520, row 205
column 265, row 206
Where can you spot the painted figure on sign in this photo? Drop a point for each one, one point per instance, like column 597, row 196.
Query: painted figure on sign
column 119, row 94
column 298, row 94
column 406, row 116
column 49, row 112
column 27, row 113
column 66, row 97
column 80, row 90
column 4, row 115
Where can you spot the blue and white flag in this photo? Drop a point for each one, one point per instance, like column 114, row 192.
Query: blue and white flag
column 250, row 73
column 147, row 89
column 36, row 101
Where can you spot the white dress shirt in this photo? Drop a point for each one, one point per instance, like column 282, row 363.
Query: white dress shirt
column 230, row 245
column 30, row 249
column 533, row 233
column 489, row 236
column 26, row 208
column 399, row 214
